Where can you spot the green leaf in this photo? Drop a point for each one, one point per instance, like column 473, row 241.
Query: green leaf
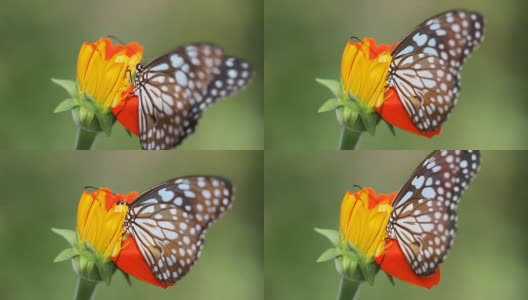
column 333, row 85
column 127, row 277
column 69, row 235
column 66, row 105
column 332, row 235
column 66, row 254
column 106, row 121
column 330, row 104
column 329, row 254
column 69, row 85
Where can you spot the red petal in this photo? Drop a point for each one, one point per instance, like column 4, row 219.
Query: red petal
column 126, row 111
column 132, row 262
column 392, row 111
column 393, row 262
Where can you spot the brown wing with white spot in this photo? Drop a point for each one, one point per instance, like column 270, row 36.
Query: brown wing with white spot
column 168, row 222
column 423, row 220
column 426, row 65
column 174, row 90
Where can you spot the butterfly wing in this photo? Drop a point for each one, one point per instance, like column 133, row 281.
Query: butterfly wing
column 175, row 89
column 423, row 220
column 168, row 222
column 425, row 70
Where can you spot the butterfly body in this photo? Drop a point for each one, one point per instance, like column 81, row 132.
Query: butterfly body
column 169, row 222
column 174, row 90
column 423, row 220
column 426, row 65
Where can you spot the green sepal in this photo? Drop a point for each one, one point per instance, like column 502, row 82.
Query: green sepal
column 66, row 105
column 391, row 128
column 69, row 85
column 333, row 85
column 330, row 104
column 369, row 270
column 329, row 254
column 370, row 119
column 127, row 277
column 106, row 269
column 106, row 120
column 391, row 279
column 88, row 251
column 69, row 235
column 332, row 235
column 66, row 254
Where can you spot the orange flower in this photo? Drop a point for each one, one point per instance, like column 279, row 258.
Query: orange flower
column 363, row 221
column 100, row 222
column 364, row 70
column 102, row 69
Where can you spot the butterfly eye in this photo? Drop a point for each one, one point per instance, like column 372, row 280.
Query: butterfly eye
column 425, row 70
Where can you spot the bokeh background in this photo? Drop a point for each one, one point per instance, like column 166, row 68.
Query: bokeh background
column 42, row 41
column 305, row 40
column 42, row 191
column 304, row 190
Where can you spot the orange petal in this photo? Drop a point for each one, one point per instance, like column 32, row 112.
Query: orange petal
column 393, row 262
column 132, row 262
column 394, row 113
column 126, row 112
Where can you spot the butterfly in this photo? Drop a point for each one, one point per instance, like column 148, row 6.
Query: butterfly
column 423, row 220
column 174, row 89
column 169, row 221
column 426, row 65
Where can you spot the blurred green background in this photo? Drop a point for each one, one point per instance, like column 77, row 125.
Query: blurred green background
column 305, row 189
column 43, row 41
column 305, row 40
column 43, row 190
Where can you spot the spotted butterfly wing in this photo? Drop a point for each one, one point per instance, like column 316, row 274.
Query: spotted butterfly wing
column 168, row 222
column 423, row 220
column 426, row 65
column 175, row 89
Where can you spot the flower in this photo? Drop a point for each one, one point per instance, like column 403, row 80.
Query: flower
column 101, row 243
column 364, row 69
column 363, row 220
column 102, row 69
column 364, row 216
column 103, row 77
column 100, row 221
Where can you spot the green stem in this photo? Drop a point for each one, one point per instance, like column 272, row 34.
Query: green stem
column 85, row 139
column 85, row 289
column 349, row 139
column 348, row 289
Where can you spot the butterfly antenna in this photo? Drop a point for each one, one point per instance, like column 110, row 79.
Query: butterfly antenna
column 113, row 37
column 99, row 189
column 358, row 187
column 361, row 42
